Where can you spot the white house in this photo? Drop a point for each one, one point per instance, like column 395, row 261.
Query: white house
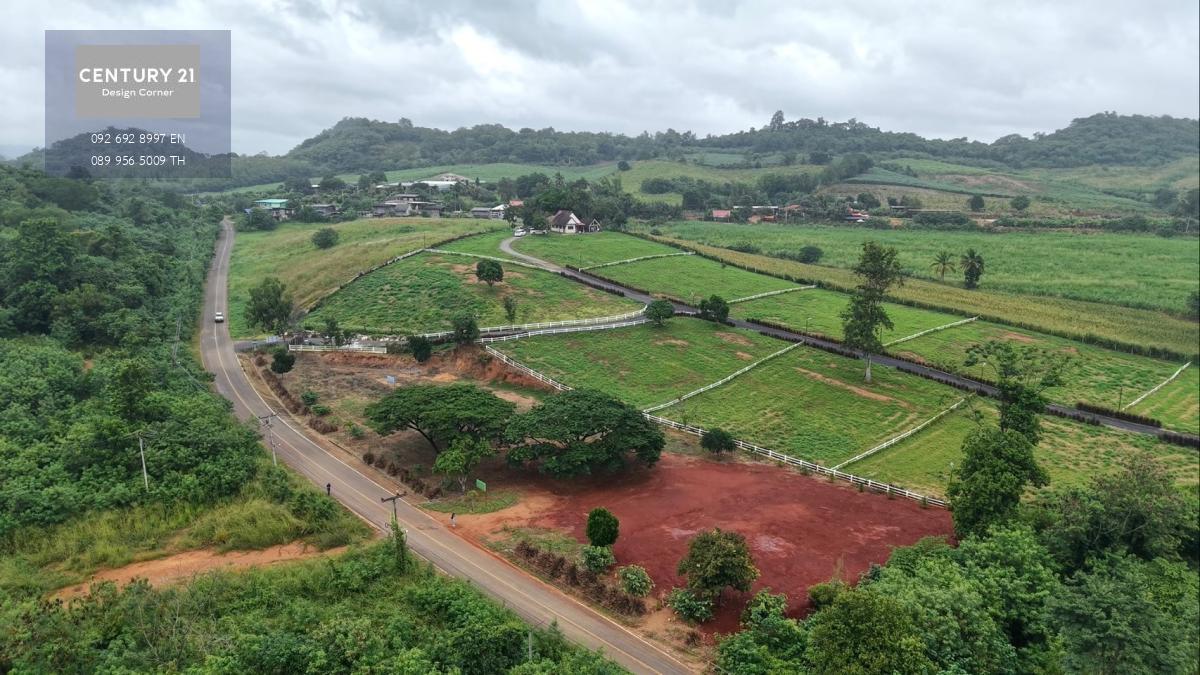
column 566, row 222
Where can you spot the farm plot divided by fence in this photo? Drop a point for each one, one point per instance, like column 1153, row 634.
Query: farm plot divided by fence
column 425, row 292
column 820, row 311
column 585, row 250
column 1098, row 376
column 816, row 406
column 1176, row 404
column 643, row 365
column 1070, row 452
column 691, row 278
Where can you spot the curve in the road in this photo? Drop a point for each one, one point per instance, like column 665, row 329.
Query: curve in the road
column 533, row 600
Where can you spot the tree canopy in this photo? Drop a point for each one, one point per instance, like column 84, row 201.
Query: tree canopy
column 441, row 413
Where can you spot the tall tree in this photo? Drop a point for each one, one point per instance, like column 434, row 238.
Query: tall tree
column 987, row 486
column 579, row 432
column 864, row 318
column 714, row 308
column 864, row 633
column 441, row 414
column 270, row 306
column 975, row 202
column 942, row 263
column 659, row 311
column 489, row 271
column 464, row 454
column 972, row 267
column 1023, row 375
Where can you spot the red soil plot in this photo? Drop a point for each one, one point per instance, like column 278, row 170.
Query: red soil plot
column 800, row 529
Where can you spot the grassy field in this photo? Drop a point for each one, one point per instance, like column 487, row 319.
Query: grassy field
column 1069, row 452
column 1099, row 376
column 483, row 244
column 691, row 278
column 643, row 365
column 591, row 249
column 816, row 406
column 309, row 272
column 1177, row 405
column 643, row 170
column 1141, row 327
column 1133, row 270
column 819, row 311
column 424, row 294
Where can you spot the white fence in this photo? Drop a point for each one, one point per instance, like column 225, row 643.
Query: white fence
column 723, row 380
column 892, row 441
column 506, row 261
column 343, row 348
column 568, row 329
column 1156, row 388
column 867, row 483
column 928, row 331
column 630, row 260
column 770, row 293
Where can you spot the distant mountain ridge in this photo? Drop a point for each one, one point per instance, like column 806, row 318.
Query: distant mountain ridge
column 357, row 144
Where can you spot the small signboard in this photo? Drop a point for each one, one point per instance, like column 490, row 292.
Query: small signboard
column 391, row 379
column 480, row 485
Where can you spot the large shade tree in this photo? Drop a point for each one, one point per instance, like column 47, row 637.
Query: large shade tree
column 441, row 414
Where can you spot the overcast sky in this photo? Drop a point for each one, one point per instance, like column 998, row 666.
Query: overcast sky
column 979, row 69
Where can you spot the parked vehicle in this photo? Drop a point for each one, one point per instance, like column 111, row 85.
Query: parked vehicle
column 219, row 317
column 519, row 232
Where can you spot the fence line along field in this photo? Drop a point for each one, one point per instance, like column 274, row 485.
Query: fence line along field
column 1177, row 404
column 1145, row 329
column 426, row 292
column 820, row 311
column 816, row 406
column 1135, row 270
column 1070, row 452
column 309, row 272
column 1098, row 376
column 592, row 249
column 643, row 365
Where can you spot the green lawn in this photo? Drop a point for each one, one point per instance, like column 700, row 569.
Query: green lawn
column 816, row 406
column 691, row 278
column 1127, row 269
column 819, row 311
column 425, row 292
column 483, row 244
column 310, row 273
column 1146, row 328
column 1069, row 452
column 1176, row 405
column 643, row 365
column 590, row 249
column 1098, row 376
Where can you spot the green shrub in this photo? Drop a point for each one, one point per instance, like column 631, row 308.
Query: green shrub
column 689, row 607
column 326, row 237
column 309, row 397
column 321, row 410
column 821, row 596
column 356, row 432
column 602, row 527
column 635, row 580
column 597, row 558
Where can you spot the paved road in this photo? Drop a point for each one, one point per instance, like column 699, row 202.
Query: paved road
column 899, row 364
column 534, row 601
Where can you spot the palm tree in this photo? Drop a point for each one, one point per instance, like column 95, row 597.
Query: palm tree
column 972, row 267
column 944, row 262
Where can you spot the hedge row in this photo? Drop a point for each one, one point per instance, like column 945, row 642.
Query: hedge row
column 591, row 586
column 1119, row 414
column 403, row 474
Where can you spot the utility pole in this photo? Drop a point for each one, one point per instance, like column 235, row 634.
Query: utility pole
column 393, row 500
column 265, row 420
column 1120, row 396
column 142, row 452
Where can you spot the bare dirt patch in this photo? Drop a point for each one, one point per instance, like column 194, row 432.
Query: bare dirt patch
column 183, row 566
column 858, row 391
column 1017, row 337
column 801, row 530
column 672, row 341
column 733, row 339
column 744, row 356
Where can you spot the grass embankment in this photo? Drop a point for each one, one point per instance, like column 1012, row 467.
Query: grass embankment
column 1071, row 453
column 1132, row 270
column 309, row 272
column 1119, row 326
column 425, row 292
column 643, row 365
column 483, row 244
column 276, row 507
column 816, row 406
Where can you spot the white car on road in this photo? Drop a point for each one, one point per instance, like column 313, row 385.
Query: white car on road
column 219, row 317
